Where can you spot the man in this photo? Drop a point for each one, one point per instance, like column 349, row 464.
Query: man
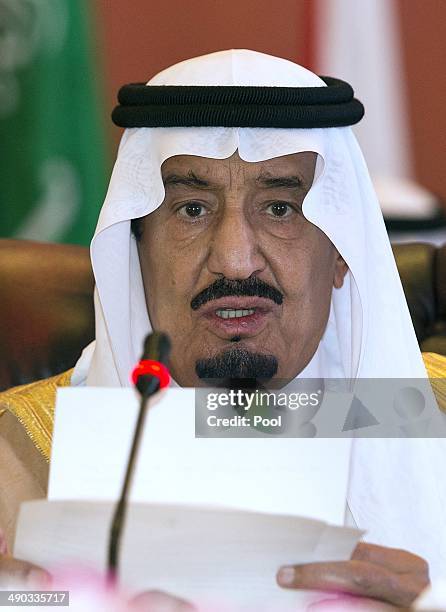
column 259, row 247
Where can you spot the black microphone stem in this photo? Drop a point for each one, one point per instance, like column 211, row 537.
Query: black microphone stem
column 157, row 346
column 121, row 507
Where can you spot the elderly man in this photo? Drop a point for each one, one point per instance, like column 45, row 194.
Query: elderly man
column 241, row 220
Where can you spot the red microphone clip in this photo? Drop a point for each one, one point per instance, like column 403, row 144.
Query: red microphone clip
column 150, row 367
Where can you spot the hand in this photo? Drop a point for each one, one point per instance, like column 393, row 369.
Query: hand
column 13, row 571
column 374, row 573
column 16, row 572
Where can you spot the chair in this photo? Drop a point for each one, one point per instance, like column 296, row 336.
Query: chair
column 422, row 269
column 47, row 314
column 46, row 309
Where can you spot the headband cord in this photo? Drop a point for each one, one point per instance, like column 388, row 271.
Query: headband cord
column 143, row 105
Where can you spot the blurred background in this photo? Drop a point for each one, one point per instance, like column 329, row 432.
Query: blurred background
column 62, row 62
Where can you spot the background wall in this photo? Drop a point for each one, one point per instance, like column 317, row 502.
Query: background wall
column 423, row 25
column 140, row 38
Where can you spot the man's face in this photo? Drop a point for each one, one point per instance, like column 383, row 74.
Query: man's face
column 233, row 271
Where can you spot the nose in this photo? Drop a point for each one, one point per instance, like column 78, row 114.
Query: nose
column 234, row 252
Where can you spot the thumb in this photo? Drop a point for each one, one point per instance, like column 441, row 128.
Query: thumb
column 13, row 571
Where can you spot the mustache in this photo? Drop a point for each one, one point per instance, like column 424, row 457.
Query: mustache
column 224, row 287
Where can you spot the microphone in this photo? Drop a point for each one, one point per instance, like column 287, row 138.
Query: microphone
column 151, row 373
column 149, row 376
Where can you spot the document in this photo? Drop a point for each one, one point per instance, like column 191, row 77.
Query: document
column 208, row 556
column 93, row 434
column 210, row 520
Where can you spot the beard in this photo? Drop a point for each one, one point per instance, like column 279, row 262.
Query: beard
column 238, row 368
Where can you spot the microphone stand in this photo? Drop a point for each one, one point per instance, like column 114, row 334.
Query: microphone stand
column 148, row 383
column 121, row 507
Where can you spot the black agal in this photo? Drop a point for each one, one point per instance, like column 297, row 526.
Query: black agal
column 143, row 105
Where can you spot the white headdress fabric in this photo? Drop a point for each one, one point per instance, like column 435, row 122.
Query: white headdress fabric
column 369, row 333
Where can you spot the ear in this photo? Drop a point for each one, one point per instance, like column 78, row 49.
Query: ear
column 339, row 272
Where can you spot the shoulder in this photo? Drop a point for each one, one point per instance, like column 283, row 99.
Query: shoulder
column 23, row 472
column 33, row 406
column 436, row 370
column 435, row 365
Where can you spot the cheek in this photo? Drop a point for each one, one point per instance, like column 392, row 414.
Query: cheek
column 156, row 255
column 169, row 280
column 305, row 267
column 305, row 273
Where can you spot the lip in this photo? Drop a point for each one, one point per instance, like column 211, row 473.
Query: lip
column 247, row 326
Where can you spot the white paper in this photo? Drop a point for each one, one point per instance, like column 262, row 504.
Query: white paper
column 207, row 556
column 92, row 437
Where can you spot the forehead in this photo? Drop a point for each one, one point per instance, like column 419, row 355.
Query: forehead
column 300, row 163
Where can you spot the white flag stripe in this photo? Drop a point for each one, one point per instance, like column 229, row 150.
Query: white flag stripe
column 360, row 41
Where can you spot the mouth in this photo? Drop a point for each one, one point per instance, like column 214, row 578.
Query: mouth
column 230, row 313
column 238, row 315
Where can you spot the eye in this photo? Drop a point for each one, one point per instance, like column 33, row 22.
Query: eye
column 192, row 210
column 280, row 209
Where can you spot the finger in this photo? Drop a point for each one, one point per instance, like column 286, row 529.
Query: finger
column 157, row 601
column 353, row 577
column 358, row 604
column 400, row 561
column 13, row 571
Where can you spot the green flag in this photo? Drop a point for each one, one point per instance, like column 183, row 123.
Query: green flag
column 53, row 164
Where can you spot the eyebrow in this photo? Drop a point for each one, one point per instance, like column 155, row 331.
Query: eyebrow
column 188, row 180
column 287, row 182
column 265, row 180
